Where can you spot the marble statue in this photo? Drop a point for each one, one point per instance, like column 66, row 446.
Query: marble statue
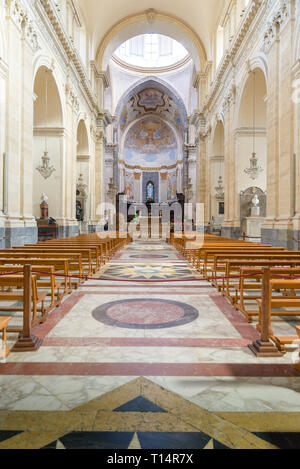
column 255, row 208
column 44, row 198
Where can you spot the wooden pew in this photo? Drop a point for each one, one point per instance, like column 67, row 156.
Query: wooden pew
column 4, row 350
column 208, row 255
column 253, row 283
column 60, row 266
column 75, row 262
column 283, row 302
column 15, row 284
column 219, row 265
column 51, row 285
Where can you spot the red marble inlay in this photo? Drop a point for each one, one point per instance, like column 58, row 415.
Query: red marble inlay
column 150, row 369
column 143, row 342
column 145, row 312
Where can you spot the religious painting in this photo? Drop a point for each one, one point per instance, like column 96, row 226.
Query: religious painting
column 129, row 186
column 150, row 143
column 172, row 187
column 150, row 191
column 154, row 101
column 150, row 99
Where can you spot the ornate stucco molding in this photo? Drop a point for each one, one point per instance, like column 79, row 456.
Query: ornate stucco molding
column 255, row 8
column 16, row 10
column 278, row 22
column 48, row 14
column 72, row 99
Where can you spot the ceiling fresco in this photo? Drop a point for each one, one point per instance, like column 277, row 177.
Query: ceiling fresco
column 151, row 100
column 150, row 142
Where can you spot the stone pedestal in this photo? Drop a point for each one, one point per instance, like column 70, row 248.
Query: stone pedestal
column 253, row 227
column 255, row 211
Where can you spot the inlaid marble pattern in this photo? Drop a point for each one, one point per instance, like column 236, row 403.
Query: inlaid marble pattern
column 204, row 387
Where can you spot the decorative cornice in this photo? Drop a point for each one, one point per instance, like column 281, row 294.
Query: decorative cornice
column 49, row 131
column 111, row 147
column 141, row 168
column 68, row 47
column 255, row 6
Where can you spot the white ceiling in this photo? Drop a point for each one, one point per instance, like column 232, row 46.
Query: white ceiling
column 201, row 15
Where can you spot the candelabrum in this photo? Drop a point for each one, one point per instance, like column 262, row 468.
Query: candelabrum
column 220, row 189
column 254, row 170
column 46, row 169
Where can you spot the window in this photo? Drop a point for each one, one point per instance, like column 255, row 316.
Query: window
column 151, row 50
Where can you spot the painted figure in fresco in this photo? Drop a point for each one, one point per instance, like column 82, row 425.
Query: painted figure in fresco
column 150, row 191
column 151, row 99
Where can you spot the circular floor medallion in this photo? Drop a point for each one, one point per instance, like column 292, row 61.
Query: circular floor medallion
column 145, row 313
column 148, row 256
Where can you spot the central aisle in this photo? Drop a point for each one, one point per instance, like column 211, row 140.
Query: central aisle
column 149, row 356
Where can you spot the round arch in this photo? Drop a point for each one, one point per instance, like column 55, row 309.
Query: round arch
column 45, row 61
column 218, row 137
column 258, row 64
column 149, row 82
column 141, row 118
column 243, row 117
column 83, row 142
column 161, row 24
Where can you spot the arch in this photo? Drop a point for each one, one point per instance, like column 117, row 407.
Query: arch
column 152, row 82
column 244, row 118
column 46, row 61
column 149, row 185
column 46, row 90
column 140, row 24
column 154, row 116
column 218, row 139
column 83, row 146
column 257, row 64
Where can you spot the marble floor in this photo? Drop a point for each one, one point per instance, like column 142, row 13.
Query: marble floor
column 149, row 355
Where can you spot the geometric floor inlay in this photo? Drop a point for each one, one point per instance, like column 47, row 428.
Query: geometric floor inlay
column 148, row 272
column 137, row 415
column 145, row 313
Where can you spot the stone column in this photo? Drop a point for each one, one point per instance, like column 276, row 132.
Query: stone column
column 20, row 227
column 163, row 186
column 3, row 192
column 69, row 226
column 29, row 45
column 278, row 227
column 231, row 226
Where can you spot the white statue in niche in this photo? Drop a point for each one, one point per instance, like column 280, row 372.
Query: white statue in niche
column 255, row 208
column 44, row 198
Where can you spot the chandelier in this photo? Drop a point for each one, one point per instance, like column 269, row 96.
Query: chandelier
column 254, row 169
column 46, row 169
column 220, row 189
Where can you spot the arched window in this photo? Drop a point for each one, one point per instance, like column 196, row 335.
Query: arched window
column 150, row 191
